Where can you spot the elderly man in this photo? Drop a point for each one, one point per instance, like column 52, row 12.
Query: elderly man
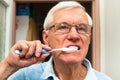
column 66, row 26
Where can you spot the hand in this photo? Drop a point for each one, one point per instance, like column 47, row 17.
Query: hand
column 28, row 57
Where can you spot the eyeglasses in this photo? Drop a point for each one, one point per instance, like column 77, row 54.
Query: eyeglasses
column 64, row 28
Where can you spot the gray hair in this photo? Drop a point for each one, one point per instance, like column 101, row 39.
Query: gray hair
column 60, row 5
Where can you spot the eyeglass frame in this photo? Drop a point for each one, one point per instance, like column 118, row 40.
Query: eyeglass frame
column 70, row 26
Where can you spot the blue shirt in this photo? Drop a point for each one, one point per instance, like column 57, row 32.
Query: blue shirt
column 45, row 71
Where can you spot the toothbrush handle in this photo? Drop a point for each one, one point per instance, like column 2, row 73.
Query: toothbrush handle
column 44, row 51
column 20, row 51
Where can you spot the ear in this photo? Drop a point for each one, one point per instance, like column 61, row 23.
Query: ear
column 45, row 37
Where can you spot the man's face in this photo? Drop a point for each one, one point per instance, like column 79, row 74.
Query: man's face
column 73, row 38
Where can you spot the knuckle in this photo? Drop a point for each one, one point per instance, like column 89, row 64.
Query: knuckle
column 38, row 41
column 25, row 47
column 32, row 44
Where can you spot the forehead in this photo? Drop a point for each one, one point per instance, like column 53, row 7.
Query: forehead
column 71, row 15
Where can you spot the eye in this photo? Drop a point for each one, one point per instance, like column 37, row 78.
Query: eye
column 82, row 28
column 62, row 26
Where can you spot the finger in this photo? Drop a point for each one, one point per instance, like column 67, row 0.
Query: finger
column 43, row 57
column 28, row 61
column 31, row 49
column 38, row 48
column 24, row 51
column 21, row 45
column 46, row 47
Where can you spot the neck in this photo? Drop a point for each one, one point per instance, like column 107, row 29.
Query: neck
column 70, row 72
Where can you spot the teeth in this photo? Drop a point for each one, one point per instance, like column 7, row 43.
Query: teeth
column 74, row 47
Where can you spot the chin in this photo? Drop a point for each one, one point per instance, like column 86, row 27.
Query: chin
column 73, row 60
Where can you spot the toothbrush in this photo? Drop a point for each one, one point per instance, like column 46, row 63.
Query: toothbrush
column 55, row 49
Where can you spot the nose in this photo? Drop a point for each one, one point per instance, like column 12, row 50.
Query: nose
column 73, row 35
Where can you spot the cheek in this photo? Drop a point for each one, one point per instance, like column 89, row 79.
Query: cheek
column 85, row 43
column 55, row 41
column 85, row 40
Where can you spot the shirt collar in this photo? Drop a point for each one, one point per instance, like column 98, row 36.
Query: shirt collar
column 90, row 72
column 49, row 71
